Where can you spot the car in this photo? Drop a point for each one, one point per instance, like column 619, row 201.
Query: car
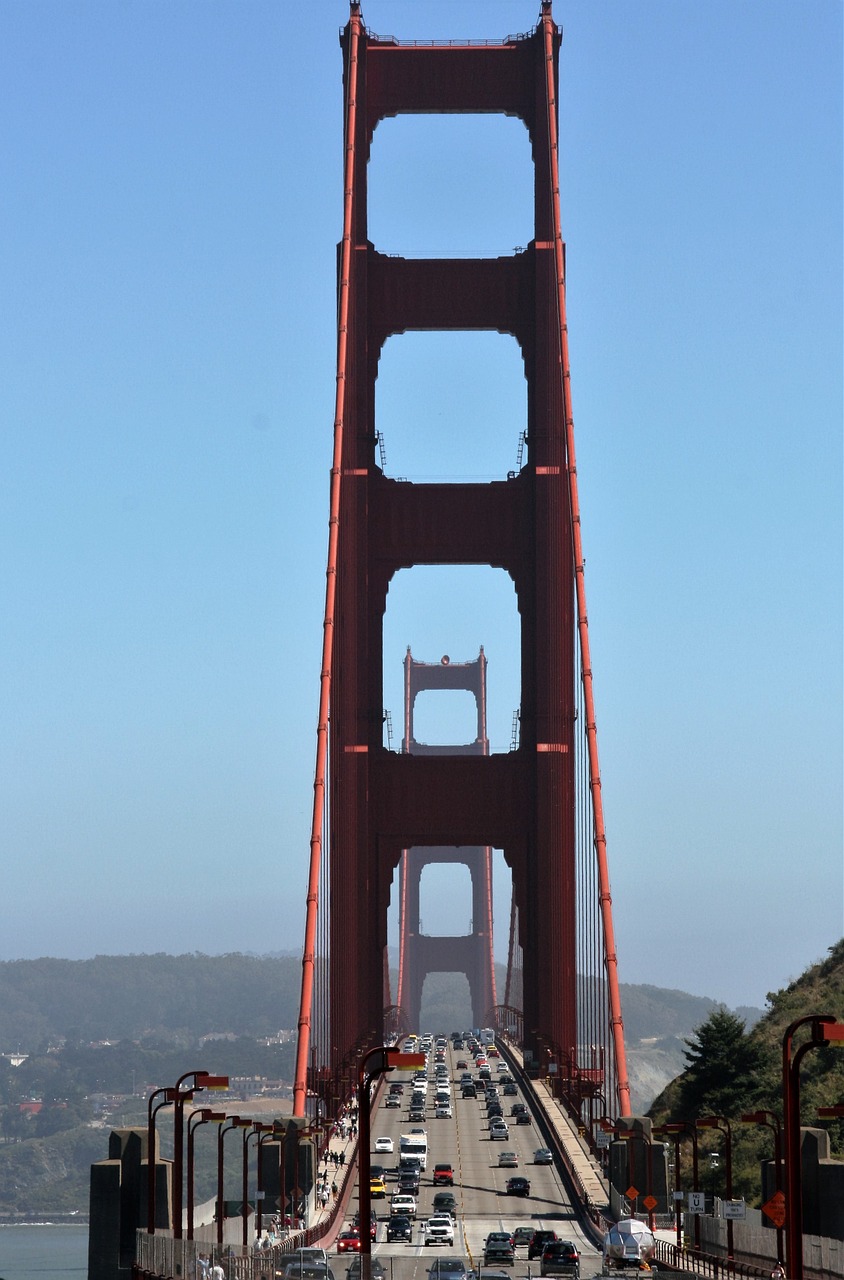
column 498, row 1247
column 448, row 1269
column 377, row 1188
column 397, row 1087
column 517, row 1108
column 462, row 1065
column 393, row 1101
column 384, row 1144
column 349, row 1241
column 498, row 1131
column 417, row 1112
column 403, row 1204
column 376, row 1268
column 522, row 1236
column 508, row 1160
column 469, row 1091
column 538, row 1243
column 443, row 1111
column 293, row 1270
column 373, row 1223
column 409, row 1182
column 543, row 1155
column 523, row 1118
column 443, row 1175
column 494, row 1112
column 560, row 1258
column 439, row 1230
column 400, row 1227
column 509, row 1089
column 518, row 1187
column 377, row 1171
column 444, row 1202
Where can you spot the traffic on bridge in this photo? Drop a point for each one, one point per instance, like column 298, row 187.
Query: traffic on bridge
column 461, row 1178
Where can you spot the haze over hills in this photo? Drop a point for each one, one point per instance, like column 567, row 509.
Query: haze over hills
column 181, row 999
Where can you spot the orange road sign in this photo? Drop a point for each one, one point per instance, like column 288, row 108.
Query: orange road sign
column 775, row 1209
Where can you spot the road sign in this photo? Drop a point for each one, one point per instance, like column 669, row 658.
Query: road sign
column 734, row 1209
column 650, row 1202
column 697, row 1202
column 632, row 1192
column 775, row 1209
column 602, row 1139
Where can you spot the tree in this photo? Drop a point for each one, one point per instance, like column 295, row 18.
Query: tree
column 723, row 1062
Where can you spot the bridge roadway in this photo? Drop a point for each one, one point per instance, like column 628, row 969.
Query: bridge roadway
column 479, row 1184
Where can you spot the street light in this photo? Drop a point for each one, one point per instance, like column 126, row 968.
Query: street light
column 206, row 1116
column 268, row 1131
column 169, row 1095
column 772, row 1121
column 235, row 1122
column 683, row 1127
column 257, row 1127
column 199, row 1080
column 723, row 1126
column 674, row 1132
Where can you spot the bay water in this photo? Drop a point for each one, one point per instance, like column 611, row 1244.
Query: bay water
column 43, row 1252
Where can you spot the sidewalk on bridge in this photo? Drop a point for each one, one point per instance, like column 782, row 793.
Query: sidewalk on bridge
column 340, row 1143
column 576, row 1150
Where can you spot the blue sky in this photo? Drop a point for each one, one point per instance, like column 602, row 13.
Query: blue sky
column 171, row 202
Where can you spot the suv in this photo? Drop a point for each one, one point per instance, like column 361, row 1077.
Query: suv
column 499, row 1248
column 538, row 1243
column 400, row 1227
column 443, row 1175
column 444, row 1202
column 560, row 1258
column 439, row 1230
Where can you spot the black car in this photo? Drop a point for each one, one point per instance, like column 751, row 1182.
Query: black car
column 560, row 1258
column 399, row 1228
column 523, row 1117
column 408, row 1183
column 494, row 1109
column 538, row 1243
column 517, row 1108
column 518, row 1187
column 444, row 1202
column 509, row 1090
column 499, row 1248
column 376, row 1268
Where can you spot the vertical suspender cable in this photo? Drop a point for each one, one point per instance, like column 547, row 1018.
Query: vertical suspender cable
column 308, row 961
column 605, row 896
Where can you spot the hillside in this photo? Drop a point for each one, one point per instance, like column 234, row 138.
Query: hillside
column 713, row 1086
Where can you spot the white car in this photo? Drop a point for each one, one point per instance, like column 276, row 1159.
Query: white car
column 384, row 1144
column 439, row 1230
column 403, row 1204
column 443, row 1111
column 498, row 1129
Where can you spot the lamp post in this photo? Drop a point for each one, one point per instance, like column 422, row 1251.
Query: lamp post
column 683, row 1127
column 675, row 1133
column 824, row 1029
column 199, row 1080
column 205, row 1116
column 235, row 1122
column 167, row 1096
column 723, row 1126
column 257, row 1128
column 267, row 1131
column 630, row 1136
column 772, row 1121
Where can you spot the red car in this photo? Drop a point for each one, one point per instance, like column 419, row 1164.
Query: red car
column 443, row 1175
column 348, row 1241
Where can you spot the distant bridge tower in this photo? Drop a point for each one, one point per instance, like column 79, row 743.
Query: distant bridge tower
column 472, row 953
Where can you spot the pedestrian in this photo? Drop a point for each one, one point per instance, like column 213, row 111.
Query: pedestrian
column 204, row 1266
column 334, row 1190
column 217, row 1272
column 342, row 1158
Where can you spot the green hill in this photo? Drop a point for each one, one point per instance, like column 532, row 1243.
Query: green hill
column 731, row 1070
